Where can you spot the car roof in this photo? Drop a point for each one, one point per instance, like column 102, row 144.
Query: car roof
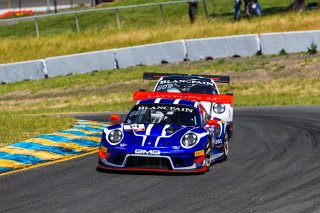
column 169, row 101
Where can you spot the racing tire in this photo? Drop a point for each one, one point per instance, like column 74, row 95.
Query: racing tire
column 225, row 147
column 208, row 153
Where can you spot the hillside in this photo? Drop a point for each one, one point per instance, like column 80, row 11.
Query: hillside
column 98, row 30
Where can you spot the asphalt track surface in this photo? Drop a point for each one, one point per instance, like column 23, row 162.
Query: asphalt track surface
column 273, row 166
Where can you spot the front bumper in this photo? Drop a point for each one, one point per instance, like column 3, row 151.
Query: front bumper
column 154, row 163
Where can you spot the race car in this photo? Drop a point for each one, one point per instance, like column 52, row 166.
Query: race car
column 197, row 84
column 163, row 135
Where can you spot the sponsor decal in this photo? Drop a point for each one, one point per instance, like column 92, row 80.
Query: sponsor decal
column 167, row 108
column 103, row 148
column 183, row 81
column 218, row 142
column 164, row 87
column 175, row 147
column 123, row 145
column 149, row 152
column 199, row 153
column 134, row 127
column 127, row 127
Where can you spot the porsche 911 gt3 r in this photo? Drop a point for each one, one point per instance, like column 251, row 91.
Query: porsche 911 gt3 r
column 164, row 135
column 197, row 84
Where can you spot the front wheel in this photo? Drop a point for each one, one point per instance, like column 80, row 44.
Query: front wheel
column 208, row 153
column 225, row 147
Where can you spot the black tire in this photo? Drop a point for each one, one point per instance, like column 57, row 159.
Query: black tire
column 225, row 147
column 208, row 153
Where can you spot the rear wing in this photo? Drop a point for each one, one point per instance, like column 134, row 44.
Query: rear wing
column 223, row 99
column 156, row 76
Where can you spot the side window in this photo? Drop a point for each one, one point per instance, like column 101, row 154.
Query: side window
column 204, row 116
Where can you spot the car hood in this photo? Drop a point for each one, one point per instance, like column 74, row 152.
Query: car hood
column 155, row 135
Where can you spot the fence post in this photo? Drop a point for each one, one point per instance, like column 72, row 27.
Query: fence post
column 205, row 8
column 48, row 6
column 93, row 3
column 118, row 18
column 162, row 15
column 55, row 6
column 37, row 27
column 77, row 22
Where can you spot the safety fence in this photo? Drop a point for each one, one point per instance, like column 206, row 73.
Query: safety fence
column 48, row 5
column 166, row 52
column 157, row 8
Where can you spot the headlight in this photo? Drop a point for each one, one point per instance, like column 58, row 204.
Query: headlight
column 219, row 108
column 189, row 139
column 115, row 136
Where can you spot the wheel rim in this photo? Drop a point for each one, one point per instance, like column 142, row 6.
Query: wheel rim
column 208, row 154
column 226, row 145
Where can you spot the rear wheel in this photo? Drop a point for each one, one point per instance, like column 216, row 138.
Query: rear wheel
column 225, row 147
column 208, row 153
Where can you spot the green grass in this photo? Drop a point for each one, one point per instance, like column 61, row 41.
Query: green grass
column 134, row 18
column 255, row 81
column 141, row 26
column 261, row 80
column 15, row 128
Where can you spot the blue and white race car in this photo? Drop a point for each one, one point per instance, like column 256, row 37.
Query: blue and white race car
column 198, row 84
column 164, row 135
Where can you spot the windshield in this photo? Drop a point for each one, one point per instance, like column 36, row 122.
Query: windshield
column 163, row 114
column 201, row 86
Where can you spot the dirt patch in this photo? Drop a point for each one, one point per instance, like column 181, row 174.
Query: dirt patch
column 280, row 67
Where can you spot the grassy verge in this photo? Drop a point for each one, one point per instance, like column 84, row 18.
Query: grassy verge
column 16, row 128
column 255, row 81
column 263, row 80
column 141, row 26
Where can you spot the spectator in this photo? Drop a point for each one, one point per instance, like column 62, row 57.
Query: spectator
column 252, row 7
column 236, row 10
column 193, row 8
column 257, row 7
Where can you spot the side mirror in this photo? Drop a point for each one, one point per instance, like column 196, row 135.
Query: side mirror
column 114, row 119
column 213, row 122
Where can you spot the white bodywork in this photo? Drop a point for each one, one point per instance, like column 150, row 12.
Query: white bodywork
column 226, row 116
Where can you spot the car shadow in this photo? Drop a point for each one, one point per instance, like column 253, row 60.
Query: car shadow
column 123, row 172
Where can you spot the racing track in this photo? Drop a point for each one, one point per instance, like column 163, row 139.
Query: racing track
column 273, row 166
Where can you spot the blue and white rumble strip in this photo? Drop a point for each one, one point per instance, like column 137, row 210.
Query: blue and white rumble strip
column 84, row 137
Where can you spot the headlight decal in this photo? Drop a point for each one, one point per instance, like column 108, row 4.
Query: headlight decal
column 219, row 108
column 198, row 138
column 114, row 136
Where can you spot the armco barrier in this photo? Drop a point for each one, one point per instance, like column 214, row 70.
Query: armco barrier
column 291, row 42
column 221, row 47
column 28, row 70
column 150, row 54
column 168, row 52
column 80, row 63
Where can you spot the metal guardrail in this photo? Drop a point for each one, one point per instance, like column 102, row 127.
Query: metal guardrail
column 115, row 9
